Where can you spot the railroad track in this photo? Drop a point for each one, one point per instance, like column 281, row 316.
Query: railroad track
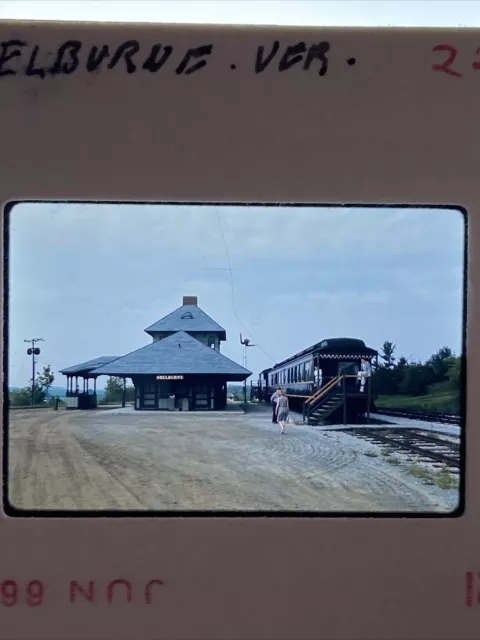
column 427, row 447
column 441, row 418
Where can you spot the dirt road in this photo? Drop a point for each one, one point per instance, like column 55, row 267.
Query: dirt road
column 113, row 460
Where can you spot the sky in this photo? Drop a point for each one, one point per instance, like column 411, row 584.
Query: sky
column 89, row 279
column 428, row 13
column 93, row 294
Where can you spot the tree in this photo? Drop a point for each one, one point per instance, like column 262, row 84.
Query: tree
column 20, row 397
column 388, row 349
column 384, row 381
column 415, row 380
column 23, row 397
column 402, row 364
column 399, row 371
column 113, row 389
column 454, row 368
column 45, row 380
column 383, row 377
column 439, row 364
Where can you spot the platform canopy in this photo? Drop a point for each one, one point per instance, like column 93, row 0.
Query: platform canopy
column 176, row 354
column 190, row 318
column 87, row 368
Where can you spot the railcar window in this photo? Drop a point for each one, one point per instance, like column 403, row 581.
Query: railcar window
column 159, row 389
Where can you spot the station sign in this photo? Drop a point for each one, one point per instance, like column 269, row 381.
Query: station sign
column 169, row 377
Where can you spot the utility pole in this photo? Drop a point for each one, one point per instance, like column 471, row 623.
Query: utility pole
column 33, row 351
column 246, row 343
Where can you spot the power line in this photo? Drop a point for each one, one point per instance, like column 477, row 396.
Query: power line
column 233, row 290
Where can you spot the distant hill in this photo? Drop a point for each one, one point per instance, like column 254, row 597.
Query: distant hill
column 57, row 391
column 61, row 392
column 235, row 388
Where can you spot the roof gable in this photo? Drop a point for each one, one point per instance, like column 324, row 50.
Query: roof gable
column 189, row 318
column 177, row 354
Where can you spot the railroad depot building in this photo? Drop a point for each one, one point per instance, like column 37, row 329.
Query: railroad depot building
column 181, row 369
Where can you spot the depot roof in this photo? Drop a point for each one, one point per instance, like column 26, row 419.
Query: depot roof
column 179, row 353
column 89, row 366
column 188, row 317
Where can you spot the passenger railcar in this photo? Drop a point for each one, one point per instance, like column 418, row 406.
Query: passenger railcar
column 331, row 365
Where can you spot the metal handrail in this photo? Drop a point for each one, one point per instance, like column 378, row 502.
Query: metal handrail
column 323, row 390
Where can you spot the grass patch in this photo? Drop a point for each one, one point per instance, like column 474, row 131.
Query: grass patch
column 419, row 472
column 439, row 399
column 446, row 480
column 388, row 452
column 393, row 461
column 441, row 478
column 371, row 454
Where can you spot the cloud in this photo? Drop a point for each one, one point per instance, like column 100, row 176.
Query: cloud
column 90, row 278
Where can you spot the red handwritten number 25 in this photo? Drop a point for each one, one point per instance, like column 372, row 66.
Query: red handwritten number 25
column 446, row 64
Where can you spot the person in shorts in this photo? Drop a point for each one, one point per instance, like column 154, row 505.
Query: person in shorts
column 282, row 410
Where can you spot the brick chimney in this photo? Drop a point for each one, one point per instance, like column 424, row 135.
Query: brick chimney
column 190, row 300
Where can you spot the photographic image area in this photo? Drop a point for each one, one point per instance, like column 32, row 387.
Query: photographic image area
column 195, row 358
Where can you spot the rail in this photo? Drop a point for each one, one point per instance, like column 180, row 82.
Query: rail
column 424, row 416
column 410, row 441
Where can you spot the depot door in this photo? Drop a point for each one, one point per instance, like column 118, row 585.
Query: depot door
column 203, row 396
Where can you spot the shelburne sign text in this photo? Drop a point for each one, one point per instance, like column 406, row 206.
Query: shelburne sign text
column 19, row 57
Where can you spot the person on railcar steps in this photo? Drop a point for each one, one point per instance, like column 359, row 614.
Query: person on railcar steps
column 282, row 410
column 273, row 400
column 364, row 373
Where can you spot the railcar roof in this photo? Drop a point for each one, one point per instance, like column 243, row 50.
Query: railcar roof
column 331, row 347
